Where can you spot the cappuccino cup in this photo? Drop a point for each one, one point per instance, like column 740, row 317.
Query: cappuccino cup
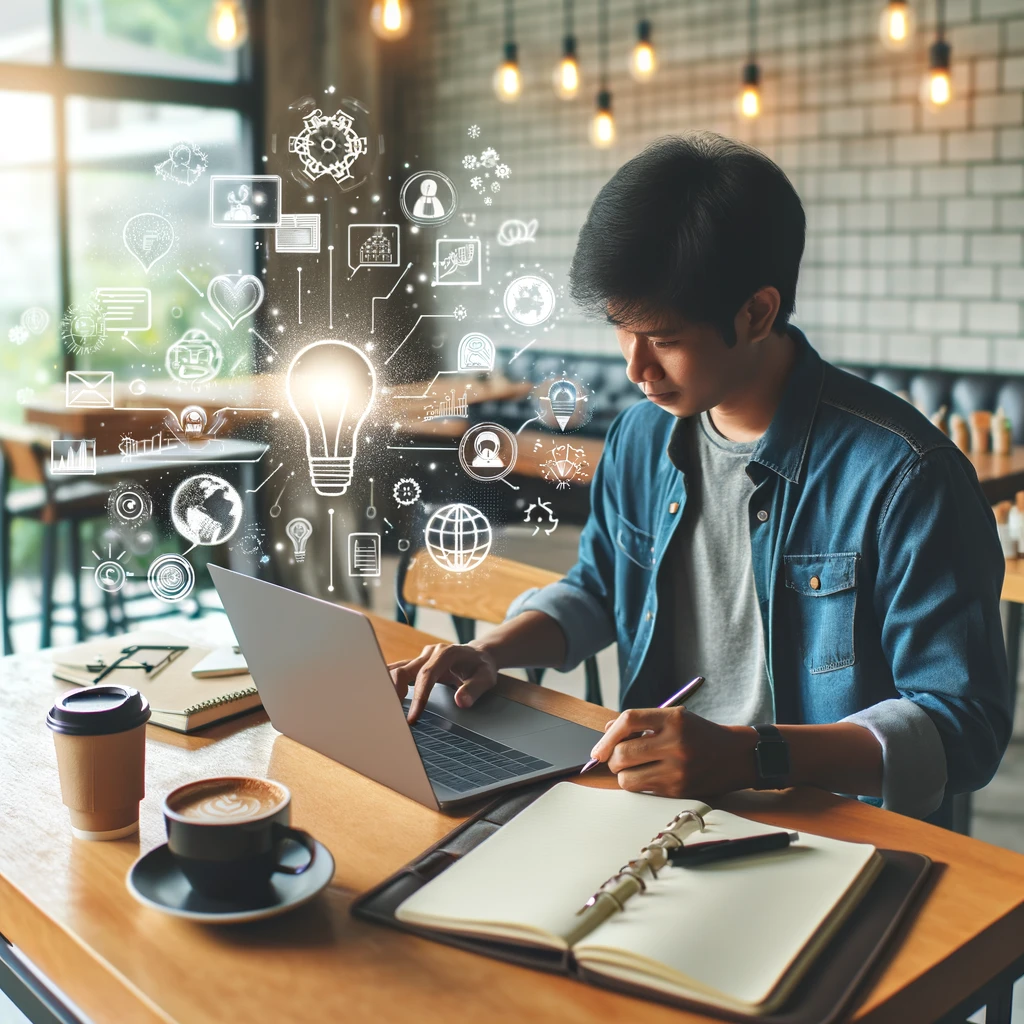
column 230, row 834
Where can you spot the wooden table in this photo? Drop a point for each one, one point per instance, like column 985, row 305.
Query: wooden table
column 63, row 902
column 1000, row 476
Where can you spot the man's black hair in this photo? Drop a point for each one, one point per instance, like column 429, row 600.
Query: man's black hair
column 693, row 226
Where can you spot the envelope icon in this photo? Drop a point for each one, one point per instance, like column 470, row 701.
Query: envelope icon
column 89, row 389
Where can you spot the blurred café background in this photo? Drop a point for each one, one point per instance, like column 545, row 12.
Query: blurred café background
column 901, row 125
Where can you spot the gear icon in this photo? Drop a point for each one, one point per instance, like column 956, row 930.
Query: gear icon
column 328, row 145
column 407, row 491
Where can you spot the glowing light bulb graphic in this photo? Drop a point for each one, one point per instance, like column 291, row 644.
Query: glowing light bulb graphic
column 563, row 397
column 299, row 531
column 331, row 386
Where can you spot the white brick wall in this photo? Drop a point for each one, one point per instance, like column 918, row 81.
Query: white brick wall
column 915, row 253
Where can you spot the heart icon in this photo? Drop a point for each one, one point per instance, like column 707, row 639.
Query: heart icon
column 235, row 296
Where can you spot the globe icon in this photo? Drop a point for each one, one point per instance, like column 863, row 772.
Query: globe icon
column 529, row 300
column 206, row 509
column 458, row 537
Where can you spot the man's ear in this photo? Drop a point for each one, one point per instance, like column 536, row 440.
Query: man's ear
column 755, row 318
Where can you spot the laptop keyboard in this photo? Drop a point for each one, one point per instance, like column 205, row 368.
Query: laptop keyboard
column 463, row 760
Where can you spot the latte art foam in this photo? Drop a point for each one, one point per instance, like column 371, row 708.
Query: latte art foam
column 228, row 805
column 229, row 802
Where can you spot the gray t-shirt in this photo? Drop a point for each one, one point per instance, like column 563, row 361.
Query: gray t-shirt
column 710, row 584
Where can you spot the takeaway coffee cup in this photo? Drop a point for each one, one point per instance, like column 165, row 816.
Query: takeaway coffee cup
column 99, row 733
column 229, row 834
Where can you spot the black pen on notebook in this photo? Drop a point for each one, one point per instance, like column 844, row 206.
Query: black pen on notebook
column 674, row 701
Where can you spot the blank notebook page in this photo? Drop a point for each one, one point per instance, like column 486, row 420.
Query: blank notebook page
column 539, row 869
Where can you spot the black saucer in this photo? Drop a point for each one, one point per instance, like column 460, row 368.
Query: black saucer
column 155, row 880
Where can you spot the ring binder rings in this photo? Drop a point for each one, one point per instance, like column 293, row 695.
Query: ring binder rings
column 653, row 857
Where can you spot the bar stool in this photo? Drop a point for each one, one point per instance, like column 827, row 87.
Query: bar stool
column 24, row 458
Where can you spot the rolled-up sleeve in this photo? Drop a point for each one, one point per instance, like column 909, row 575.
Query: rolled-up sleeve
column 936, row 597
column 913, row 757
column 583, row 604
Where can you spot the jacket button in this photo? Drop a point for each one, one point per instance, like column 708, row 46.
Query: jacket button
column 762, row 516
column 815, row 583
column 649, row 616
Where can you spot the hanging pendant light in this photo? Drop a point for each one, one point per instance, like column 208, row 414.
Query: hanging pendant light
column 390, row 19
column 227, row 27
column 896, row 24
column 749, row 100
column 507, row 81
column 642, row 61
column 567, row 71
column 602, row 128
column 937, row 87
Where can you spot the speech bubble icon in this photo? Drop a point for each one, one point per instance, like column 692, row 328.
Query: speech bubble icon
column 148, row 237
column 235, row 297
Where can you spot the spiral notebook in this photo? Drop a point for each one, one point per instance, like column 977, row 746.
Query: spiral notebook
column 584, row 873
column 178, row 699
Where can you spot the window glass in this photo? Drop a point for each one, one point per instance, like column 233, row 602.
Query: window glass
column 25, row 35
column 29, row 352
column 148, row 37
column 127, row 159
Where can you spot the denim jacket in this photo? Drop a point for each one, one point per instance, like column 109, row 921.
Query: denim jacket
column 877, row 568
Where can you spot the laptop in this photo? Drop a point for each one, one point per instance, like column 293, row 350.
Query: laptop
column 324, row 683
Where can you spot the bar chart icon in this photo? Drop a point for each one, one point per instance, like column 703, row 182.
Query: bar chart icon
column 74, row 458
column 364, row 554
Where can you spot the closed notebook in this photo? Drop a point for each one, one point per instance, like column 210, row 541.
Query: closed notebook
column 738, row 934
column 178, row 700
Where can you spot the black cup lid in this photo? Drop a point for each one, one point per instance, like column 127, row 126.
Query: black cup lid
column 98, row 710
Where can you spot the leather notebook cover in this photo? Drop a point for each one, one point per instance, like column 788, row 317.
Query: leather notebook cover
column 823, row 996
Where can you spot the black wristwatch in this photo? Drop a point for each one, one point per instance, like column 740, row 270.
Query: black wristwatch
column 771, row 758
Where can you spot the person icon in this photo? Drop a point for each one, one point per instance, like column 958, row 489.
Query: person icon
column 428, row 206
column 487, row 444
column 179, row 165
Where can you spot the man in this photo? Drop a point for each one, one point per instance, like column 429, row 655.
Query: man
column 808, row 542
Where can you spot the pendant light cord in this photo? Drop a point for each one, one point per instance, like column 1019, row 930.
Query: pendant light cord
column 510, row 22
column 940, row 19
column 752, row 32
column 602, row 41
column 567, row 18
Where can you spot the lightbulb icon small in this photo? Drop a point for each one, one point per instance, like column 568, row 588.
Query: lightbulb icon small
column 299, row 531
column 331, row 386
column 563, row 397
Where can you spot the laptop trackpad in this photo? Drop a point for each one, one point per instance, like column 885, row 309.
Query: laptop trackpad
column 510, row 722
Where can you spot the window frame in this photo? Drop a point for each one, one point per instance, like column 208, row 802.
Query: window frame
column 58, row 81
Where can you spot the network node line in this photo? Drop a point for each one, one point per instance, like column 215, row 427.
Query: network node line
column 384, row 298
column 422, row 316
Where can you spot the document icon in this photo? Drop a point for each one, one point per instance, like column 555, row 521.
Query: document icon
column 299, row 232
column 89, row 389
column 126, row 309
column 364, row 554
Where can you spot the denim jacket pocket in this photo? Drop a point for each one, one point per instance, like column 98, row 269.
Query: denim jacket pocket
column 636, row 544
column 824, row 603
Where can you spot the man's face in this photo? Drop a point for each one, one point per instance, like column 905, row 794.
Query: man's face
column 685, row 368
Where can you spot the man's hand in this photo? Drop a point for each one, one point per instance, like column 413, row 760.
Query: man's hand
column 679, row 755
column 470, row 668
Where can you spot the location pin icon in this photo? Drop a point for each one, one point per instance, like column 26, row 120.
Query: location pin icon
column 562, row 395
column 148, row 237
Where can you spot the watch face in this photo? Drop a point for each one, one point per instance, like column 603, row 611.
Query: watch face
column 772, row 759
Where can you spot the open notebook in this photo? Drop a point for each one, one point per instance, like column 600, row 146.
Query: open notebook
column 738, row 935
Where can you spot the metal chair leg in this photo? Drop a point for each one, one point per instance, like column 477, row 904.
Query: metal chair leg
column 5, row 576
column 465, row 629
column 49, row 571
column 593, row 684
column 75, row 567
